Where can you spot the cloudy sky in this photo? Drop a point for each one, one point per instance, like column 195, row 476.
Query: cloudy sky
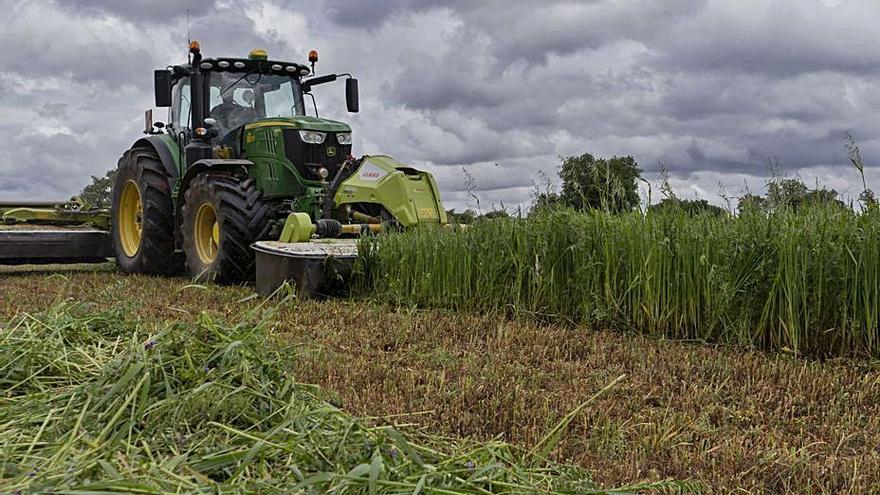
column 500, row 89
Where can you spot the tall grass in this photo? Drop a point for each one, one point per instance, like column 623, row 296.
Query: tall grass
column 92, row 404
column 805, row 281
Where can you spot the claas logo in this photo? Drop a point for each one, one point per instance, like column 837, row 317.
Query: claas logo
column 371, row 173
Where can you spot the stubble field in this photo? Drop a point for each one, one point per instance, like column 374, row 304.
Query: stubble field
column 738, row 421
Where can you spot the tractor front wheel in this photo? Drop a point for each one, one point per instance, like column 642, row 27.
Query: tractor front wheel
column 222, row 217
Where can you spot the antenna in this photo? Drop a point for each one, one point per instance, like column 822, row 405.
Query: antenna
column 188, row 38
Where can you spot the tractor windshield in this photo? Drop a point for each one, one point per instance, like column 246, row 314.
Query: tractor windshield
column 239, row 98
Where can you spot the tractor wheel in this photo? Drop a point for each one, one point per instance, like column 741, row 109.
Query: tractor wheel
column 222, row 217
column 142, row 225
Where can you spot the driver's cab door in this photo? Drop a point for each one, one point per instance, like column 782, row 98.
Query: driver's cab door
column 180, row 108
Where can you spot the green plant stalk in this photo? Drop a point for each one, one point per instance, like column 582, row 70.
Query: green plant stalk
column 804, row 281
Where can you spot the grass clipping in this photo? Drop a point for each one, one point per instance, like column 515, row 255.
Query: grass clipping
column 93, row 405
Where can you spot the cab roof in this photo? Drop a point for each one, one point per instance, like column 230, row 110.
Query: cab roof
column 225, row 64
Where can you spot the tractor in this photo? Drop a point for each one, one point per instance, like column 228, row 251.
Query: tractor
column 239, row 161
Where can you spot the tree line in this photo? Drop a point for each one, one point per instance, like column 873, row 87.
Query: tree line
column 611, row 184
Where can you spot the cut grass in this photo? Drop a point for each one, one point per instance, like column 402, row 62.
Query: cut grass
column 94, row 403
column 738, row 421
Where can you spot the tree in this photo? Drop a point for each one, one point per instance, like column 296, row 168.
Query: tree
column 823, row 197
column 793, row 193
column 607, row 184
column 789, row 193
column 786, row 192
column 691, row 207
column 495, row 214
column 99, row 193
column 467, row 216
column 752, row 203
column 868, row 199
column 545, row 201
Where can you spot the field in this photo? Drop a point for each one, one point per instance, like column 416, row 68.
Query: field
column 95, row 402
column 733, row 419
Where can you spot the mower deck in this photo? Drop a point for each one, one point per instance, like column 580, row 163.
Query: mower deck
column 317, row 268
column 41, row 244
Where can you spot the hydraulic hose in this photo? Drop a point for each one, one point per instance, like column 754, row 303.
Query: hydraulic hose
column 330, row 191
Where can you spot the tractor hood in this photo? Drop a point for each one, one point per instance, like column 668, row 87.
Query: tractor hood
column 302, row 122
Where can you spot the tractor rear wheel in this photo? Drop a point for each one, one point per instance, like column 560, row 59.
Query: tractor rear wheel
column 222, row 216
column 142, row 224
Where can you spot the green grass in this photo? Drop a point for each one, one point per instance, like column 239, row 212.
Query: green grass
column 93, row 403
column 805, row 281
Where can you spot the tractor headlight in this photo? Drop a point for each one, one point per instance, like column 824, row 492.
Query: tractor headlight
column 323, row 173
column 343, row 138
column 312, row 137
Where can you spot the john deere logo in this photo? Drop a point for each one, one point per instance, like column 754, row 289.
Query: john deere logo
column 331, row 151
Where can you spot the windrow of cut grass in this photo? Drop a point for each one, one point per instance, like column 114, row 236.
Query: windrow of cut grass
column 805, row 281
column 93, row 403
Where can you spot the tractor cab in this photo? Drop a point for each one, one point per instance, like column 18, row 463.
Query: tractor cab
column 240, row 100
column 236, row 92
column 235, row 100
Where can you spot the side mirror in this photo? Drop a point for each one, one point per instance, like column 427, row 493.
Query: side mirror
column 162, row 80
column 351, row 95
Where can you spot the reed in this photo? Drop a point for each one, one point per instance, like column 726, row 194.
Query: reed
column 804, row 281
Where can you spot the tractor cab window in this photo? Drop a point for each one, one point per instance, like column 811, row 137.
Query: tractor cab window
column 281, row 102
column 241, row 98
column 180, row 115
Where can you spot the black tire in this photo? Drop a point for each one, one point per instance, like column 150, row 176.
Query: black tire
column 242, row 218
column 155, row 252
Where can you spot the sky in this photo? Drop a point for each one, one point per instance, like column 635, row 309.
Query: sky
column 486, row 95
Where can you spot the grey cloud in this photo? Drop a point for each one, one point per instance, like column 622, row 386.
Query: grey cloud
column 53, row 110
column 782, row 38
column 370, row 14
column 56, row 40
column 228, row 32
column 437, row 84
column 148, row 10
column 526, row 30
column 711, row 88
column 494, row 176
column 514, row 200
column 50, row 156
column 533, row 32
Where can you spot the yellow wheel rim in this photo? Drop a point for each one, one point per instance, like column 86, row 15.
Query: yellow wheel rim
column 131, row 218
column 207, row 233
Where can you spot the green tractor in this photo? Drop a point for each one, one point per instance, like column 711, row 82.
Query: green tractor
column 240, row 161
